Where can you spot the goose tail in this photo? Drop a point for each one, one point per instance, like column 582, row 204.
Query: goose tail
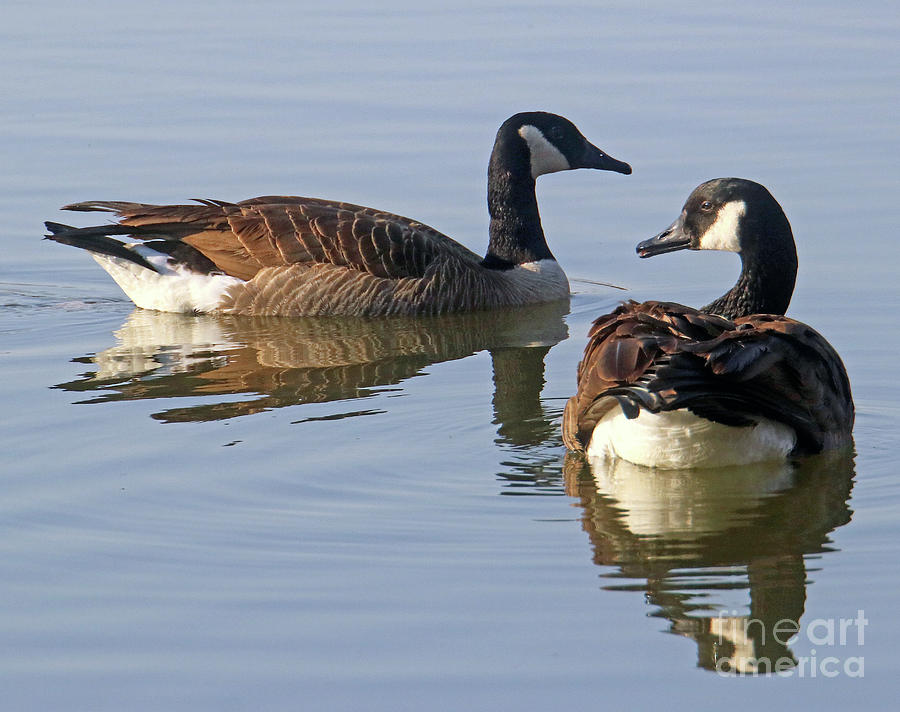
column 119, row 207
column 97, row 240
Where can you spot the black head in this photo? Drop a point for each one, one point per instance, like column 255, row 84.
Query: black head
column 732, row 214
column 546, row 143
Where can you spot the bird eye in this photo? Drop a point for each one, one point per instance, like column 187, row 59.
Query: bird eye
column 706, row 205
column 556, row 133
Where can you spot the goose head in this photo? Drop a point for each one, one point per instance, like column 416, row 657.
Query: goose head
column 528, row 145
column 538, row 142
column 740, row 216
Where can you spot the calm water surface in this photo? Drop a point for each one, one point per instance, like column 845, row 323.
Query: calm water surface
column 212, row 513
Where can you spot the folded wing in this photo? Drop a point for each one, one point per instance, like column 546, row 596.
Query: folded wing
column 242, row 238
column 661, row 356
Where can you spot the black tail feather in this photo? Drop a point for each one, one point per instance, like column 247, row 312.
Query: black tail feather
column 96, row 239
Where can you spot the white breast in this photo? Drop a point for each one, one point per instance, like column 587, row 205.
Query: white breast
column 539, row 281
column 679, row 439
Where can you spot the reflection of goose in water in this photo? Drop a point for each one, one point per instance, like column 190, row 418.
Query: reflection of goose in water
column 276, row 362
column 695, row 537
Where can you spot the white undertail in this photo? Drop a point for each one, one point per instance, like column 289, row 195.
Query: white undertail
column 678, row 439
column 173, row 288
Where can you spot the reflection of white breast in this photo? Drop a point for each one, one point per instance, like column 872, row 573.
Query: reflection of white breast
column 744, row 658
column 675, row 439
column 687, row 503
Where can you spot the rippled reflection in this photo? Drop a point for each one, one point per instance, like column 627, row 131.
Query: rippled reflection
column 274, row 362
column 699, row 540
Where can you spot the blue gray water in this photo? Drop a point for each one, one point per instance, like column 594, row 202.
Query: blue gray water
column 201, row 513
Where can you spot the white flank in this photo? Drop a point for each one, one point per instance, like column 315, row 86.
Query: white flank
column 545, row 157
column 174, row 288
column 723, row 233
column 679, row 439
column 540, row 281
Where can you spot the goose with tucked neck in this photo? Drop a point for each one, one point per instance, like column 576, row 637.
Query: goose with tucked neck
column 734, row 383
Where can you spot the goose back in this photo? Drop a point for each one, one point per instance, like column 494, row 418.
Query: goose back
column 663, row 357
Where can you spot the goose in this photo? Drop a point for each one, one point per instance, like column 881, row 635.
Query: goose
column 733, row 383
column 294, row 256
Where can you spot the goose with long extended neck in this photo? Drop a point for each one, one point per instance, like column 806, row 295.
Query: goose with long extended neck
column 736, row 382
column 295, row 256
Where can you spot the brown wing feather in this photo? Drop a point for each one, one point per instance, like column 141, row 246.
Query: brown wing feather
column 276, row 231
column 663, row 356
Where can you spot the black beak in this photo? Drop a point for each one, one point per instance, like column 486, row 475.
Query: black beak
column 595, row 158
column 669, row 240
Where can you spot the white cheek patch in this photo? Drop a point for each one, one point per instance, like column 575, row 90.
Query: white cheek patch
column 545, row 157
column 723, row 233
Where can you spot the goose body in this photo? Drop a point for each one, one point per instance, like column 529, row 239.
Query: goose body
column 733, row 383
column 295, row 256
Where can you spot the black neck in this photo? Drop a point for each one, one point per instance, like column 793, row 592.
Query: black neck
column 764, row 287
column 516, row 235
column 518, row 380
